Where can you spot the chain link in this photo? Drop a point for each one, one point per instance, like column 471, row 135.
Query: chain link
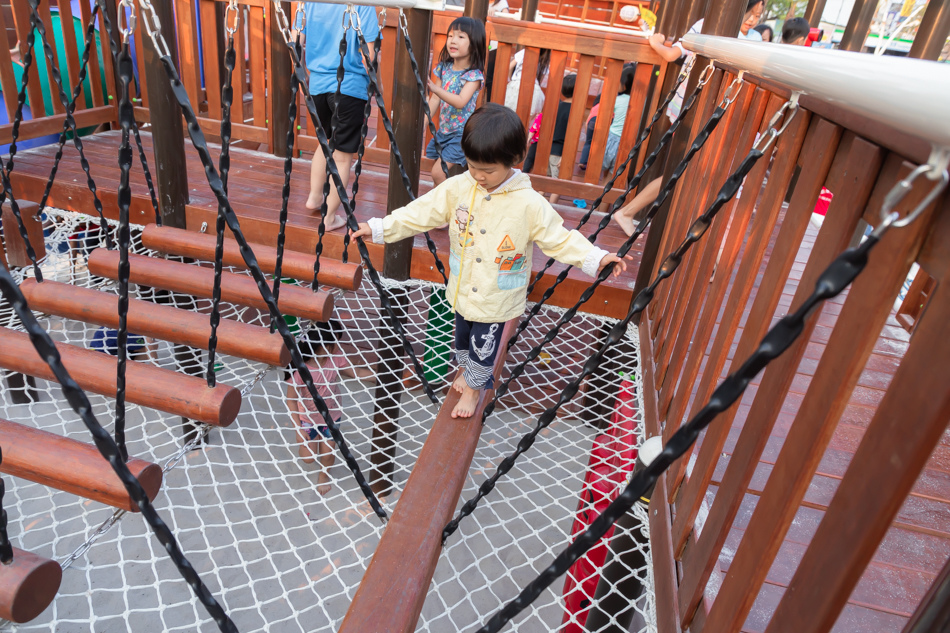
column 889, row 217
column 129, row 19
column 236, row 11
column 153, row 28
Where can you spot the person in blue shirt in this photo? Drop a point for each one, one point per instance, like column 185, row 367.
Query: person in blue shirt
column 324, row 30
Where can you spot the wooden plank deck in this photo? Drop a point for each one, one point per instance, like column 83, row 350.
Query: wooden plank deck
column 917, row 543
column 255, row 183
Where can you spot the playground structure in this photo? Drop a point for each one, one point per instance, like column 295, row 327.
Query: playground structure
column 729, row 110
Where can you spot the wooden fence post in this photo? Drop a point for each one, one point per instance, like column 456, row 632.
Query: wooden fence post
column 856, row 33
column 933, row 32
column 278, row 83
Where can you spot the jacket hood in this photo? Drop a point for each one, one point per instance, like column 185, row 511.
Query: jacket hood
column 518, row 181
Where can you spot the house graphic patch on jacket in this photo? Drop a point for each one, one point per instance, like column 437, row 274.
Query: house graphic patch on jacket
column 491, row 238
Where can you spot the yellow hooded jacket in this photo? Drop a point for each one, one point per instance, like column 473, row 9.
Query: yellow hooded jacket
column 492, row 236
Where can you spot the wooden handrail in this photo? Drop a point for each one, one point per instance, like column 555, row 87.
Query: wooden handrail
column 394, row 587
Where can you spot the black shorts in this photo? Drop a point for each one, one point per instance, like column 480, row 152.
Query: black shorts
column 347, row 135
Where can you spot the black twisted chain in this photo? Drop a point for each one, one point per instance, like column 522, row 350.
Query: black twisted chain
column 489, row 484
column 114, row 49
column 126, row 116
column 394, row 148
column 835, row 278
column 285, row 192
column 214, row 181
column 605, row 221
column 6, row 550
column 6, row 171
column 37, row 23
column 688, row 104
column 107, row 447
column 358, row 168
column 300, row 75
column 224, row 166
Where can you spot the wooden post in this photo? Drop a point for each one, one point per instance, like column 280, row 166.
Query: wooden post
column 408, row 127
column 933, row 612
column 721, row 19
column 933, row 32
column 813, row 12
column 278, row 82
column 477, row 9
column 168, row 136
column 856, row 33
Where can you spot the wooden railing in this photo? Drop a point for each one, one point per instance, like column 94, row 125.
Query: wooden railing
column 45, row 113
column 710, row 316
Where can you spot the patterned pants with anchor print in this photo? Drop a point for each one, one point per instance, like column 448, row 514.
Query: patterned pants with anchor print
column 476, row 346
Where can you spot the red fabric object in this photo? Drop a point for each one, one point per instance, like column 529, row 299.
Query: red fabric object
column 824, row 201
column 611, row 460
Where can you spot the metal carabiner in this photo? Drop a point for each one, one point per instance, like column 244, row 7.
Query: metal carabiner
column 153, row 28
column 347, row 18
column 129, row 18
column 232, row 7
column 283, row 24
column 729, row 96
column 788, row 109
column 889, row 217
column 403, row 23
column 300, row 17
column 706, row 74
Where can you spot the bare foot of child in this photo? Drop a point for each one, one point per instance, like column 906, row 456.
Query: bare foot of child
column 466, row 404
column 335, row 222
column 626, row 223
column 314, row 200
column 460, row 384
column 323, row 483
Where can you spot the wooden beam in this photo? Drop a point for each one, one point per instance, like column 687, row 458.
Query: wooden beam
column 394, row 587
column 27, row 586
column 297, row 266
column 71, row 466
column 156, row 321
column 15, row 245
column 147, row 385
column 198, row 281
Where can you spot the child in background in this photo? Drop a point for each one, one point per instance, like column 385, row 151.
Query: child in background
column 514, row 81
column 765, row 31
column 324, row 29
column 321, row 351
column 560, row 133
column 795, row 32
column 496, row 218
column 460, row 75
column 620, row 116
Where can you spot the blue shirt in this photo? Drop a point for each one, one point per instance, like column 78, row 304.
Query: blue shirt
column 324, row 29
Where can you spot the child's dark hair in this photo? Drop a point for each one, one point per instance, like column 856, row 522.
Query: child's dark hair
column 494, row 134
column 567, row 86
column 762, row 28
column 626, row 79
column 322, row 338
column 544, row 62
column 794, row 29
column 475, row 29
column 751, row 4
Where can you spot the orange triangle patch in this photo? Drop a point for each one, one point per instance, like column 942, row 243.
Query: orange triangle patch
column 506, row 245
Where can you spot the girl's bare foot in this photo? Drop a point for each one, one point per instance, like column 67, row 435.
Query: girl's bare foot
column 323, row 483
column 626, row 223
column 460, row 384
column 334, row 223
column 466, row 404
column 314, row 200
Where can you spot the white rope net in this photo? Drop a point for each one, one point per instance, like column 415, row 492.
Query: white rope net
column 277, row 554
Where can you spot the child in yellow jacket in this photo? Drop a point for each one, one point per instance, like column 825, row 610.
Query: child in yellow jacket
column 495, row 218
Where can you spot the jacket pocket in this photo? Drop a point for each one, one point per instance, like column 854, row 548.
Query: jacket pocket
column 454, row 263
column 511, row 280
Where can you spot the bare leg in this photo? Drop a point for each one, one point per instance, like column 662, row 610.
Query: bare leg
column 327, row 458
column 304, row 450
column 554, row 198
column 466, row 404
column 318, row 178
column 624, row 216
column 438, row 176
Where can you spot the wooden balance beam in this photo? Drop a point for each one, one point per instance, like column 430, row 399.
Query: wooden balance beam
column 390, row 596
column 71, row 466
column 299, row 266
column 162, row 322
column 199, row 282
column 146, row 385
column 27, row 586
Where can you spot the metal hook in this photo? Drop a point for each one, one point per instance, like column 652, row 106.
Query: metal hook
column 283, row 24
column 300, row 17
column 889, row 217
column 788, row 109
column 347, row 18
column 729, row 96
column 706, row 74
column 232, row 8
column 153, row 27
column 130, row 19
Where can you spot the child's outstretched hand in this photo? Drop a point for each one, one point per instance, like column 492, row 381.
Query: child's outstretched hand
column 613, row 259
column 364, row 231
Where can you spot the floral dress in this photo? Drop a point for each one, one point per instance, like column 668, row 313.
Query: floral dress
column 451, row 119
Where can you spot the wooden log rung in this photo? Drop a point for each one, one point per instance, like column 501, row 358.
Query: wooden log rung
column 165, row 323
column 146, row 385
column 199, row 282
column 299, row 266
column 71, row 466
column 27, row 586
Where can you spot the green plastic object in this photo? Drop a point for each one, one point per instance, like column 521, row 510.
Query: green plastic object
column 39, row 59
column 293, row 324
column 438, row 346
